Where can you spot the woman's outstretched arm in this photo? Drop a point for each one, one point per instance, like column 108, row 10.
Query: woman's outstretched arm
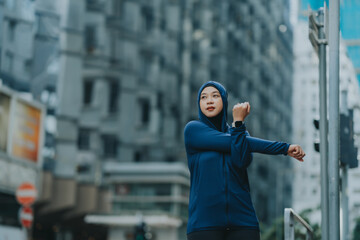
column 259, row 145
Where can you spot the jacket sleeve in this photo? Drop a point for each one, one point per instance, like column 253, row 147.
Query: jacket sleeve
column 199, row 137
column 241, row 156
column 258, row 145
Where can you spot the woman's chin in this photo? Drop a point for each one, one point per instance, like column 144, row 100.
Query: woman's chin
column 211, row 115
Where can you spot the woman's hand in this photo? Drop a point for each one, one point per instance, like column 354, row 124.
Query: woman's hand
column 240, row 111
column 296, row 152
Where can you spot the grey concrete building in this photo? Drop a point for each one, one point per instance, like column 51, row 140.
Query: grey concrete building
column 120, row 80
column 16, row 43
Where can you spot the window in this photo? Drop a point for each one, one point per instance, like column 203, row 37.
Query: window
column 94, row 5
column 118, row 7
column 144, row 111
column 90, row 39
column 262, row 208
column 113, row 97
column 83, row 168
column 160, row 99
column 84, row 139
column 27, row 65
column 137, row 156
column 148, row 18
column 110, row 145
column 170, row 159
column 88, row 92
column 145, row 65
column 263, row 171
column 9, row 62
column 12, row 26
column 143, row 189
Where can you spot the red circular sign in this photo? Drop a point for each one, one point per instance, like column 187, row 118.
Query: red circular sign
column 26, row 194
column 26, row 217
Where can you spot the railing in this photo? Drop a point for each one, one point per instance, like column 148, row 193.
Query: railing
column 289, row 217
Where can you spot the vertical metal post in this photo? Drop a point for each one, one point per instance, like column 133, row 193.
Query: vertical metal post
column 334, row 220
column 29, row 233
column 344, row 178
column 345, row 202
column 289, row 233
column 323, row 130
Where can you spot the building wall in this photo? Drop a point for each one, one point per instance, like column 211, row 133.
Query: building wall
column 17, row 43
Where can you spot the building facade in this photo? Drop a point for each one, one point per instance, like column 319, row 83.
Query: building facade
column 350, row 31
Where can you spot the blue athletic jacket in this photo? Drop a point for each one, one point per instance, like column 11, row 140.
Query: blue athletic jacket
column 219, row 190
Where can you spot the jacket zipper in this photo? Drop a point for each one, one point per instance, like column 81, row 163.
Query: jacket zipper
column 226, row 193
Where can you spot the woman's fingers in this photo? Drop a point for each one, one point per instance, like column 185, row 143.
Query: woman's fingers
column 240, row 111
column 296, row 152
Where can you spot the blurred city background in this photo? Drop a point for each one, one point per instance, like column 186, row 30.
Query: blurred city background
column 94, row 96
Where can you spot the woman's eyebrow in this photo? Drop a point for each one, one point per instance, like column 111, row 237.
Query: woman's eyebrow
column 211, row 92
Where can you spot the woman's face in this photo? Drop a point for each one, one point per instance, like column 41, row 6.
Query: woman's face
column 211, row 103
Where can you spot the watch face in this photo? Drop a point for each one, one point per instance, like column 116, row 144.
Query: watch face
column 238, row 123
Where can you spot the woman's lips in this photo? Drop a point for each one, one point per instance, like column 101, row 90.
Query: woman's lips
column 210, row 109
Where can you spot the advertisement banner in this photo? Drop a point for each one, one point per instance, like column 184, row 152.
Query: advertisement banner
column 4, row 120
column 26, row 131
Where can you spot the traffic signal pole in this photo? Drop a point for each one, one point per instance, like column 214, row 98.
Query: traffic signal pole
column 345, row 202
column 318, row 40
column 344, row 177
column 334, row 214
column 323, row 130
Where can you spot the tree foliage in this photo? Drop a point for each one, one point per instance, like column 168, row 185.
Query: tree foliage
column 356, row 232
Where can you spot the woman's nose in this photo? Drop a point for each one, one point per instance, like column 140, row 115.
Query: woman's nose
column 210, row 100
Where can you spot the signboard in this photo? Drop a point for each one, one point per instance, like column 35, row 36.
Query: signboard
column 26, row 130
column 26, row 217
column 12, row 174
column 21, row 136
column 26, row 194
column 4, row 120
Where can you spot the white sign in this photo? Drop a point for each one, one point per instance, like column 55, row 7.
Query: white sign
column 13, row 174
column 12, row 233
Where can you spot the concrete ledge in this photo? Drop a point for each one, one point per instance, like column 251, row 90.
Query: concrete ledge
column 157, row 221
column 63, row 195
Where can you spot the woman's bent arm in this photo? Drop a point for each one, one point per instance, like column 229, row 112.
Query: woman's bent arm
column 200, row 137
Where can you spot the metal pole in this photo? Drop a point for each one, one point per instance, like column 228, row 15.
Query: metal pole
column 345, row 202
column 29, row 233
column 323, row 131
column 344, row 178
column 334, row 221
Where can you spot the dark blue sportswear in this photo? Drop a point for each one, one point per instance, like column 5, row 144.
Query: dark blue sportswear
column 219, row 190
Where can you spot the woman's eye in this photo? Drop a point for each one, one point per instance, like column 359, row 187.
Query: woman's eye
column 216, row 96
column 203, row 97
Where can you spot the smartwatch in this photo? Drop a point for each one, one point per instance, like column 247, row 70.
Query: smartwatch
column 237, row 124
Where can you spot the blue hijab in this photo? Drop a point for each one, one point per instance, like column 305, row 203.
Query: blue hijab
column 213, row 122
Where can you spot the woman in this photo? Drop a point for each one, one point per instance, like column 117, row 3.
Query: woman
column 220, row 206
